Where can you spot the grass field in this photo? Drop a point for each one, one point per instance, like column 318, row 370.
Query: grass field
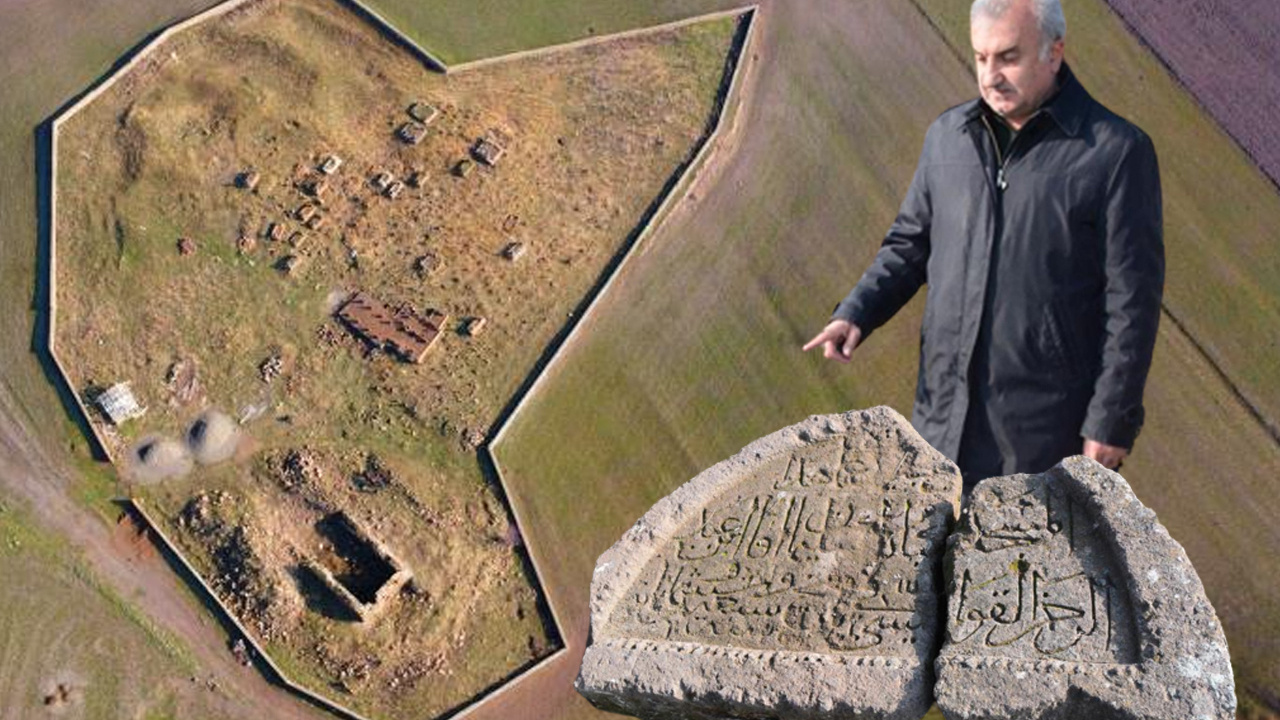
column 111, row 662
column 155, row 158
column 459, row 32
column 696, row 352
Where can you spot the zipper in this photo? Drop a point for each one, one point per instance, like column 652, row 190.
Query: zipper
column 1001, row 182
column 1002, row 162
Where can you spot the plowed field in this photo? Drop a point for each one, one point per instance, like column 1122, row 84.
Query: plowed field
column 1228, row 55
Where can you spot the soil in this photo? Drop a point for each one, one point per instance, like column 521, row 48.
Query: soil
column 29, row 473
column 1228, row 55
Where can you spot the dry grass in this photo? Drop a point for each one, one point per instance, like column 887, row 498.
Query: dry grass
column 592, row 135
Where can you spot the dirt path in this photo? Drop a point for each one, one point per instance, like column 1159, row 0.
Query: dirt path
column 30, row 474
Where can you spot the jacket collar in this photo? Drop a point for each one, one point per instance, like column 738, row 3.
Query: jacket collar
column 1067, row 107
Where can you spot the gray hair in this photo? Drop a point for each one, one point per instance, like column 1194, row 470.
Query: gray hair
column 1048, row 15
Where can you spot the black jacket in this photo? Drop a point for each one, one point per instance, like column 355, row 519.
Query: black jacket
column 1044, row 281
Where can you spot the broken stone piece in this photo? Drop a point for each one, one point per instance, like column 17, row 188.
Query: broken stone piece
column 412, row 132
column 474, row 326
column 1068, row 599
column 514, row 250
column 423, row 112
column 487, row 151
column 330, row 164
column 248, row 180
column 315, row 186
column 800, row 578
column 289, row 264
column 426, row 264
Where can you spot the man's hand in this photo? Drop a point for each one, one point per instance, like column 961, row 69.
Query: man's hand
column 1109, row 456
column 838, row 340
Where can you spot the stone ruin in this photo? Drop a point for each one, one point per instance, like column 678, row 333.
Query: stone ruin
column 357, row 568
column 799, row 577
column 412, row 132
column 488, row 151
column 805, row 578
column 1068, row 599
column 423, row 112
column 330, row 164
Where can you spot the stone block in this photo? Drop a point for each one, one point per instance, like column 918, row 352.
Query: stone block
column 800, row 578
column 1069, row 600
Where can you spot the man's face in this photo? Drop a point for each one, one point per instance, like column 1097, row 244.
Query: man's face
column 1012, row 77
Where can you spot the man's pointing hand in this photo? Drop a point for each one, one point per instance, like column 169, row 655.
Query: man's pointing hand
column 838, row 340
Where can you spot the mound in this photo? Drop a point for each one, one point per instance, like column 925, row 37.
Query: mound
column 212, row 438
column 157, row 458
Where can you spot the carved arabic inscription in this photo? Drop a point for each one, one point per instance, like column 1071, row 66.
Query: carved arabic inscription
column 833, row 547
column 1032, row 580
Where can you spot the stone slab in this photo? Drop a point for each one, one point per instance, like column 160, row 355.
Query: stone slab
column 1069, row 600
column 800, row 578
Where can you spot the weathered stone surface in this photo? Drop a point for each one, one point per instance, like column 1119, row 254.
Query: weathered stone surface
column 801, row 578
column 1068, row 600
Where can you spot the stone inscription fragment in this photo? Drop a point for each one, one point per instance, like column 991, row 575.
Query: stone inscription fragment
column 803, row 573
column 1067, row 599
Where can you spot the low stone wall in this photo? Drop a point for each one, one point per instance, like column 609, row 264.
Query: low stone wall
column 137, row 506
column 726, row 108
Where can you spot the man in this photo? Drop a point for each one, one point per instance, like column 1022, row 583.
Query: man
column 1035, row 217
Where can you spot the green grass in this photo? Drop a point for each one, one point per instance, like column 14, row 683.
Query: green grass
column 462, row 31
column 1223, row 279
column 61, row 624
column 696, row 351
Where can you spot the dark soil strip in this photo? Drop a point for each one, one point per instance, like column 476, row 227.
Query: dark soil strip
column 1266, row 423
column 1227, row 54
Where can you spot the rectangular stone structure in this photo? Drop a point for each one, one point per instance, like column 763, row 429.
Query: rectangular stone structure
column 800, row 578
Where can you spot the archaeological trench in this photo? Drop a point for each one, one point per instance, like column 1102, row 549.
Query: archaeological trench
column 830, row 570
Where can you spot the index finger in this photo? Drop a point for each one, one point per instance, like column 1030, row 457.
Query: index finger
column 815, row 342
